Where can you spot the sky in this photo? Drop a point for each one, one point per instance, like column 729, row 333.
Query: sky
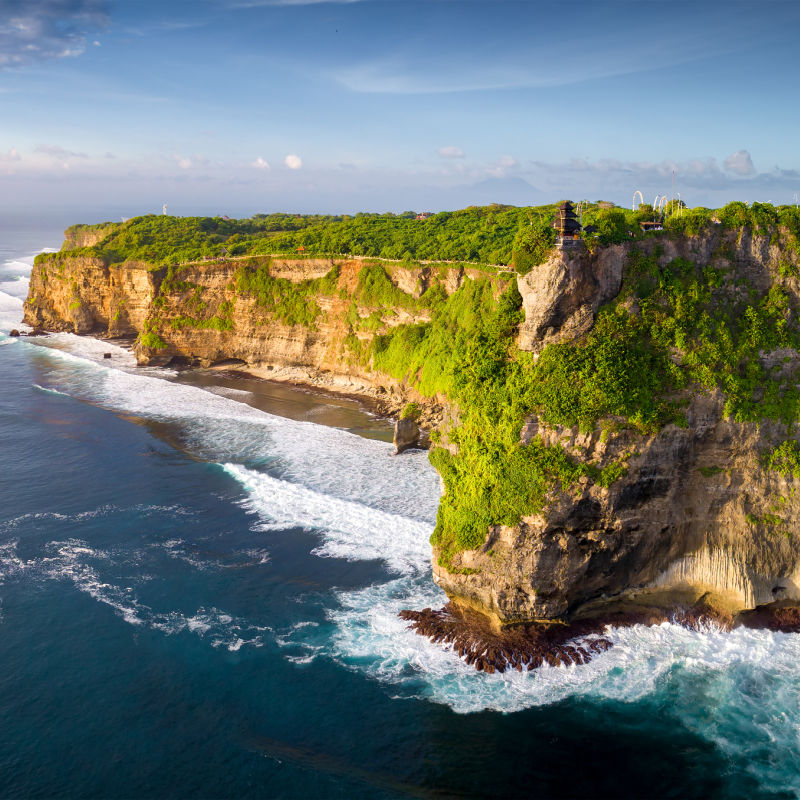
column 338, row 106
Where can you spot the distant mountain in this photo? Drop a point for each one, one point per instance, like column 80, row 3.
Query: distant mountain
column 506, row 191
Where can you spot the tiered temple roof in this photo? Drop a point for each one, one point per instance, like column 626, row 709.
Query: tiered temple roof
column 565, row 221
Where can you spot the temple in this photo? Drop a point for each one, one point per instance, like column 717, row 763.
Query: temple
column 568, row 229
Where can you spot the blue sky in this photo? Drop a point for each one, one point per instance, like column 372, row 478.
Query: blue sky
column 237, row 106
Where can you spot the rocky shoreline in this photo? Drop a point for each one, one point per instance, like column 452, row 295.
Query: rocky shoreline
column 596, row 510
column 526, row 646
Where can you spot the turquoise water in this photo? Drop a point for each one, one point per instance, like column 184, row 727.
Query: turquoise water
column 198, row 597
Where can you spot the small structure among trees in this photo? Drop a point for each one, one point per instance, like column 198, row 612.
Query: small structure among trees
column 568, row 228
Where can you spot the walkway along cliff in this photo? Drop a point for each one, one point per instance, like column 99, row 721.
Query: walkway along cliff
column 616, row 430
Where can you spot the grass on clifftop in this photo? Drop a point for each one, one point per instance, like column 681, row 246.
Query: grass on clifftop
column 486, row 235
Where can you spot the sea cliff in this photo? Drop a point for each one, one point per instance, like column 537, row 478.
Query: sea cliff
column 615, row 426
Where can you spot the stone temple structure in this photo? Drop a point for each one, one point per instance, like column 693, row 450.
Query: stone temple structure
column 568, row 229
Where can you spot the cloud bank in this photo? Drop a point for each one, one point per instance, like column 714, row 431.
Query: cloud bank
column 37, row 30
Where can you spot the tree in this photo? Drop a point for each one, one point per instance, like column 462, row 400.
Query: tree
column 532, row 245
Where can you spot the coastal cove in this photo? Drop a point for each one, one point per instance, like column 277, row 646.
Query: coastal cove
column 207, row 602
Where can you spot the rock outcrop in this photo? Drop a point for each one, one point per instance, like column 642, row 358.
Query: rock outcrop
column 406, row 434
column 561, row 297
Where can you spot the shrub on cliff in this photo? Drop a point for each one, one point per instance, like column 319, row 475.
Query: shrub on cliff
column 533, row 244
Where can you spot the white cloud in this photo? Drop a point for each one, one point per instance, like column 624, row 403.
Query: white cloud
column 450, row 151
column 183, row 163
column 259, row 163
column 11, row 155
column 293, row 162
column 740, row 163
column 500, row 167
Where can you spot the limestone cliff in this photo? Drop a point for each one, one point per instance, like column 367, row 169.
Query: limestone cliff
column 199, row 314
column 696, row 511
column 669, row 508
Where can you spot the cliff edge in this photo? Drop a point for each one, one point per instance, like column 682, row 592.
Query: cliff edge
column 616, row 430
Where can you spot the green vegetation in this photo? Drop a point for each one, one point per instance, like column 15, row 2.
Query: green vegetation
column 292, row 303
column 673, row 330
column 533, row 244
column 152, row 340
column 411, row 410
column 785, row 459
column 487, row 235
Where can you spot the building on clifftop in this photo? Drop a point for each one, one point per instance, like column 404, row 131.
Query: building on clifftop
column 568, row 229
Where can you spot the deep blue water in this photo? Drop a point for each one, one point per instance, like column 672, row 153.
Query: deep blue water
column 198, row 598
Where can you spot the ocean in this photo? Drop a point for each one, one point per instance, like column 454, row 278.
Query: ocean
column 200, row 579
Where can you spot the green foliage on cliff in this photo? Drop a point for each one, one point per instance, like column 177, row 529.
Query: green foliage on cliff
column 533, row 244
column 152, row 340
column 785, row 459
column 616, row 372
column 411, row 411
column 375, row 288
column 673, row 329
column 292, row 303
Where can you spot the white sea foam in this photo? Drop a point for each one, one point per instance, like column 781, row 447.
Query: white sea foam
column 145, row 510
column 14, row 281
column 351, row 530
column 76, row 561
column 48, row 390
column 10, row 310
column 259, row 555
column 330, row 461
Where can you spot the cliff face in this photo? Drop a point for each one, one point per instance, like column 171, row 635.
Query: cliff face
column 696, row 512
column 82, row 295
column 689, row 508
column 561, row 297
column 201, row 315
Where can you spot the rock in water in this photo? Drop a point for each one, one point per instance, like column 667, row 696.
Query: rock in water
column 106, row 355
column 406, row 434
column 14, row 332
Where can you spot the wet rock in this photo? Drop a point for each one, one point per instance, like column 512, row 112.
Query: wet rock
column 520, row 647
column 781, row 616
column 106, row 355
column 479, row 642
column 13, row 332
column 406, row 434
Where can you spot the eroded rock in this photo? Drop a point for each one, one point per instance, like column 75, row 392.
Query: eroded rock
column 406, row 434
